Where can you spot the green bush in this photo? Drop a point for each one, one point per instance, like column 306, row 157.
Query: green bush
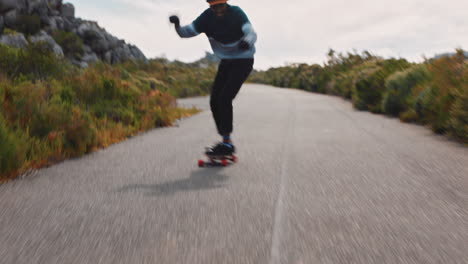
column 435, row 109
column 369, row 89
column 51, row 110
column 71, row 44
column 9, row 31
column 12, row 149
column 80, row 133
column 24, row 100
column 35, row 62
column 9, row 61
column 400, row 87
column 420, row 105
column 344, row 84
column 50, row 117
column 448, row 83
column 458, row 121
column 433, row 93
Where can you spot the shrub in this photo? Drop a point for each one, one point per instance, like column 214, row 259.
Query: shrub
column 344, row 84
column 9, row 60
column 9, row 31
column 447, row 84
column 36, row 62
column 419, row 103
column 400, row 87
column 361, row 91
column 71, row 44
column 51, row 117
column 369, row 89
column 409, row 116
column 12, row 149
column 24, row 101
column 458, row 121
column 80, row 133
column 50, row 110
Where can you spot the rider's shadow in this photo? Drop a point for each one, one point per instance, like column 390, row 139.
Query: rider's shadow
column 198, row 180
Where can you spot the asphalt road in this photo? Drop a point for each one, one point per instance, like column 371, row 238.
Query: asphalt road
column 316, row 182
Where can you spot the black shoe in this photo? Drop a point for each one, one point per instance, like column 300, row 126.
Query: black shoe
column 221, row 149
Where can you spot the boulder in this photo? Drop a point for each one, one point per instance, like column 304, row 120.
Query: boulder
column 94, row 36
column 10, row 18
column 53, row 46
column 85, row 27
column 113, row 41
column 2, row 24
column 7, row 5
column 108, row 57
column 15, row 40
column 22, row 5
column 90, row 58
column 69, row 24
column 68, row 10
column 97, row 42
column 87, row 49
column 39, row 7
column 54, row 13
column 51, row 24
column 58, row 22
column 55, row 5
column 80, row 64
column 121, row 54
column 137, row 53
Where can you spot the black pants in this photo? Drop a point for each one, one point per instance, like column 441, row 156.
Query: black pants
column 229, row 79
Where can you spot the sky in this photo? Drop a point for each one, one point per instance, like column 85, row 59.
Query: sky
column 293, row 31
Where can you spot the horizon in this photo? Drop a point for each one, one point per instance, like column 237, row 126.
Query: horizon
column 387, row 29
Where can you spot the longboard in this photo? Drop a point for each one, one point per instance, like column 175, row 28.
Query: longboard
column 217, row 161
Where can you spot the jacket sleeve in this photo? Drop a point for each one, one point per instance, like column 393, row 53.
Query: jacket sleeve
column 187, row 31
column 249, row 34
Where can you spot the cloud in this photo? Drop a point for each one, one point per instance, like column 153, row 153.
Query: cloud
column 294, row 30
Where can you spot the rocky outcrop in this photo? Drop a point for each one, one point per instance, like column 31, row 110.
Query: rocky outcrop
column 38, row 7
column 14, row 40
column 7, row 5
column 54, row 15
column 53, row 46
column 10, row 18
column 67, row 11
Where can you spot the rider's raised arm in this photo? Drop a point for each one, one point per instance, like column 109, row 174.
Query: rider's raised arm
column 187, row 31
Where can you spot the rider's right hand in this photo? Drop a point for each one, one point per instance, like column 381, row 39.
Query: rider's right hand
column 174, row 20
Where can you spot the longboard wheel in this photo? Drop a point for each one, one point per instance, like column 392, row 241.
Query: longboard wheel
column 201, row 163
column 224, row 163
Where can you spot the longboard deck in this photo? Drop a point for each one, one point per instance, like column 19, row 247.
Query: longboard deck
column 217, row 161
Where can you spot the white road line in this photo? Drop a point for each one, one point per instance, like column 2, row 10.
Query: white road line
column 279, row 208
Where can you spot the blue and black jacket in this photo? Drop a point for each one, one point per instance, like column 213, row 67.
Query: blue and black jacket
column 224, row 33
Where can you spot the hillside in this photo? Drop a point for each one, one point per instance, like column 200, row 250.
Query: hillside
column 51, row 21
column 68, row 87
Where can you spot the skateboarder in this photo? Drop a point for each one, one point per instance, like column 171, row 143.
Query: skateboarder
column 232, row 39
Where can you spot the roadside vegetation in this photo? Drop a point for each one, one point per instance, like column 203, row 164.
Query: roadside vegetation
column 51, row 110
column 433, row 93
